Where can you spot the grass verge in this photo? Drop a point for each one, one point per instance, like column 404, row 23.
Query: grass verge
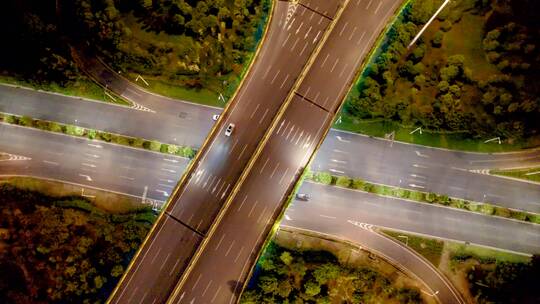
column 431, row 249
column 447, row 140
column 422, row 197
column 481, row 274
column 82, row 87
column 108, row 201
column 531, row 174
column 77, row 131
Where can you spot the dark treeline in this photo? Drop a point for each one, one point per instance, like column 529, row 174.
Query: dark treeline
column 186, row 42
column 432, row 87
column 63, row 250
column 192, row 42
column 285, row 276
column 33, row 47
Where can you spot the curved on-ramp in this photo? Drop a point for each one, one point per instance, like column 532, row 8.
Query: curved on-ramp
column 402, row 257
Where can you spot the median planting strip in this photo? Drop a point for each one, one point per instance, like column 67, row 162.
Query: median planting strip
column 528, row 174
column 422, row 197
column 92, row 134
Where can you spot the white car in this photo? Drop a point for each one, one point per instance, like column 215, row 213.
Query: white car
column 215, row 117
column 229, row 130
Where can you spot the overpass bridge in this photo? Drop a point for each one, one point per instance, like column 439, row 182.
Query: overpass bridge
column 203, row 246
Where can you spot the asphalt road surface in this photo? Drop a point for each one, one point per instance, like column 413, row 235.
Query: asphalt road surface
column 222, row 159
column 91, row 163
column 242, row 229
column 458, row 174
column 180, row 123
column 333, row 211
column 332, row 208
column 124, row 170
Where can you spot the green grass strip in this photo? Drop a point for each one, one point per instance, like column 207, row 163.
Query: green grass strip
column 422, row 197
column 92, row 134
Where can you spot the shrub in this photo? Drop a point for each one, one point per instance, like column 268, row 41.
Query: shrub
column 172, row 149
column 122, row 140
column 487, row 209
column 74, row 130
column 91, row 133
column 369, row 187
column 42, row 124
column 416, row 196
column 26, row 121
column 400, row 192
column 519, row 215
column 164, row 148
column 504, row 212
column 55, row 127
column 443, row 200
column 437, row 39
column 155, row 145
column 446, row 25
column 357, row 183
column 11, row 119
column 138, row 142
column 188, row 152
column 308, row 175
column 323, row 178
column 431, row 197
column 146, row 144
column 343, row 181
column 105, row 136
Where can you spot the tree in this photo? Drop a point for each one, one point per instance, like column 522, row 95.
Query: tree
column 449, row 73
column 437, row 39
column 312, row 288
column 325, row 273
column 269, row 285
column 286, row 258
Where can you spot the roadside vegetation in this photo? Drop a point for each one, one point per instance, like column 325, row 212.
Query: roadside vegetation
column 531, row 174
column 36, row 54
column 311, row 274
column 192, row 50
column 92, row 134
column 472, row 76
column 63, row 249
column 481, row 274
column 186, row 49
column 420, row 196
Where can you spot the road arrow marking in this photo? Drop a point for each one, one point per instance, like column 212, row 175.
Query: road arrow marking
column 421, row 155
column 88, row 178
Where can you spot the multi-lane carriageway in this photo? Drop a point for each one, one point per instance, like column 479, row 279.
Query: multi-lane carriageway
column 269, row 112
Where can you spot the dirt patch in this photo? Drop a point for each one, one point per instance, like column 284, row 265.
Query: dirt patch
column 110, row 202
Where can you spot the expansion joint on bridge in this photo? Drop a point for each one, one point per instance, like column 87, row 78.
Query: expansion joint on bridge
column 316, row 12
column 311, row 101
column 185, row 225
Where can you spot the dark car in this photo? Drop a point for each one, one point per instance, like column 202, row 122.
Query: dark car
column 302, row 197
